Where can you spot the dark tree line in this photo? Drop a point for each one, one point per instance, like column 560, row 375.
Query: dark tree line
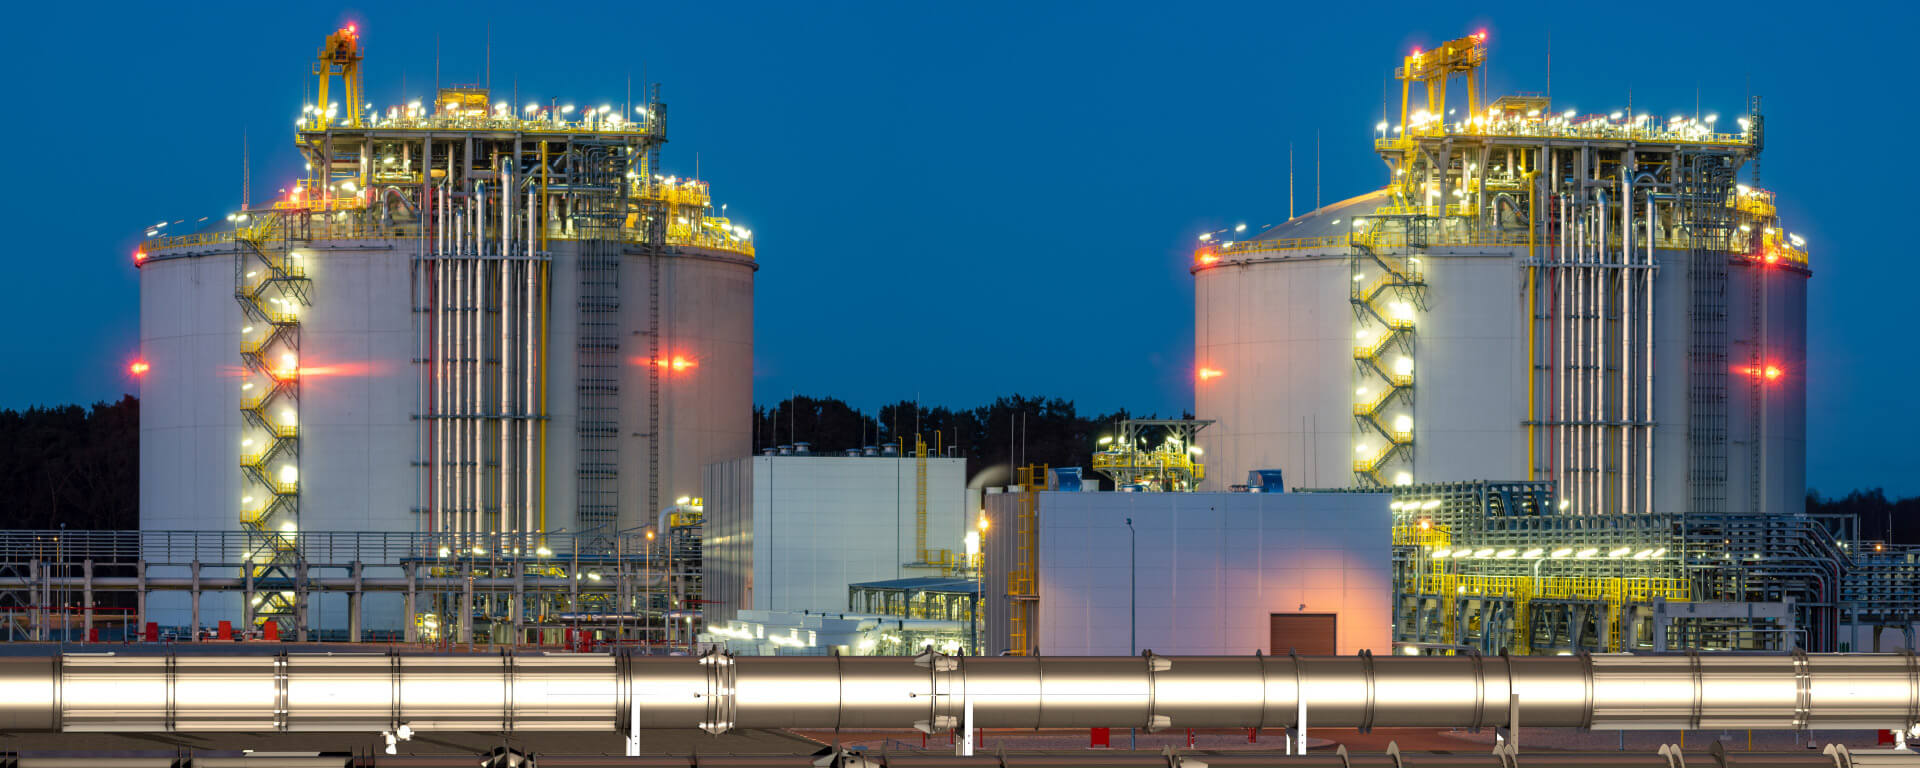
column 1011, row 431
column 71, row 465
column 80, row 465
column 1895, row 521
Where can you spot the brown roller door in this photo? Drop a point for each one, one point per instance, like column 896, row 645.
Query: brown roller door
column 1303, row 633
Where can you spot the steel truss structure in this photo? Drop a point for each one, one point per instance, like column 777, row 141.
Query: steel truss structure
column 1502, row 566
column 467, row 588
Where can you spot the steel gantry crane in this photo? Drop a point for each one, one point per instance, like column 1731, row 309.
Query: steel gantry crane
column 340, row 56
column 1434, row 68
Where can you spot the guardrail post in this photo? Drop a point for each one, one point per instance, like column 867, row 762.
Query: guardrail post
column 411, row 632
column 86, row 598
column 354, row 601
column 140, row 594
column 195, row 637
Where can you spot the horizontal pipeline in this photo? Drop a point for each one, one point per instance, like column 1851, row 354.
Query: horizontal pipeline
column 372, row 692
column 1667, row 757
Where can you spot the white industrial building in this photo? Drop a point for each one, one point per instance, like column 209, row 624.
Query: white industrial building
column 1211, row 573
column 790, row 531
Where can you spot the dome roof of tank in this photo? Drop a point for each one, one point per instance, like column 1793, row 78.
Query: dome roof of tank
column 1327, row 221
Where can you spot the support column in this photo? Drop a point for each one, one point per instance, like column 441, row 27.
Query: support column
column 196, row 601
column 465, row 620
column 140, row 597
column 573, row 584
column 516, row 611
column 966, row 722
column 34, row 602
column 633, row 726
column 300, row 601
column 354, row 601
column 1629, row 626
column 86, row 599
column 1659, row 625
column 1300, row 717
column 246, row 596
column 412, row 632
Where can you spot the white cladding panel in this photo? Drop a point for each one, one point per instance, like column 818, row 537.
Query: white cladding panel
column 357, row 388
column 706, row 407
column 190, row 396
column 815, row 524
column 1209, row 570
column 1281, row 335
column 1469, row 374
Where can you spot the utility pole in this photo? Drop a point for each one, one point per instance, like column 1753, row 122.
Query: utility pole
column 1133, row 645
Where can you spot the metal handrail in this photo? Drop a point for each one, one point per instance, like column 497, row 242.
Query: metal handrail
column 161, row 547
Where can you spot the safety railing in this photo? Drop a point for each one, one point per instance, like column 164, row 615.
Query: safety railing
column 159, row 547
column 1558, row 129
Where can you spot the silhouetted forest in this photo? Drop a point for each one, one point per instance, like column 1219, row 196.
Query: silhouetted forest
column 71, row 464
column 81, row 466
column 1881, row 519
column 1011, row 431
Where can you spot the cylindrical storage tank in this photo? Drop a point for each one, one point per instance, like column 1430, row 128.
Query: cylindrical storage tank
column 1293, row 368
column 1275, row 337
column 359, row 403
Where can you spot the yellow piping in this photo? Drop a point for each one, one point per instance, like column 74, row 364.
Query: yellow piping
column 1532, row 282
column 540, row 371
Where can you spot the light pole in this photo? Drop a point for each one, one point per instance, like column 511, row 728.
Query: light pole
column 1133, row 734
column 1132, row 592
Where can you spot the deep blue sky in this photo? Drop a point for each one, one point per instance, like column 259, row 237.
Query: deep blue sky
column 959, row 200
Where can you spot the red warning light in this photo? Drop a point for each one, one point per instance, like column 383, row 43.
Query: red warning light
column 1771, row 372
column 138, row 368
column 139, row 256
column 352, row 30
column 676, row 363
column 1768, row 372
column 1481, row 36
column 1210, row 373
column 1207, row 257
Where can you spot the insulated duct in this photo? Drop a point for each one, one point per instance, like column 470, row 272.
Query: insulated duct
column 371, row 692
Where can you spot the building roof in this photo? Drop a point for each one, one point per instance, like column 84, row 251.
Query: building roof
column 923, row 584
column 1327, row 221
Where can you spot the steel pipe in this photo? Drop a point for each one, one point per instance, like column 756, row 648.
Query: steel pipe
column 371, row 692
column 1665, row 757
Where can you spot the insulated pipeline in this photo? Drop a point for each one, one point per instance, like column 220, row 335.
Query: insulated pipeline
column 595, row 692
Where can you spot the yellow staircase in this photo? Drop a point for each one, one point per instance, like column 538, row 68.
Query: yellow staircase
column 270, row 284
column 1383, row 307
column 1023, row 579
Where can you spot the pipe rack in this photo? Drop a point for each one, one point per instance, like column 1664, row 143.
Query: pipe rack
column 374, row 692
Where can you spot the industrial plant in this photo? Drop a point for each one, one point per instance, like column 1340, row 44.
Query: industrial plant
column 472, row 331
column 1571, row 345
column 1517, row 436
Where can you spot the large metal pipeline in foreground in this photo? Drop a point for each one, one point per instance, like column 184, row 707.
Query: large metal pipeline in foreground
column 371, row 692
column 1666, row 757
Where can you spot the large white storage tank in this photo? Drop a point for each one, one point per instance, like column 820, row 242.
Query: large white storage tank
column 468, row 328
column 1276, row 332
column 359, row 375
